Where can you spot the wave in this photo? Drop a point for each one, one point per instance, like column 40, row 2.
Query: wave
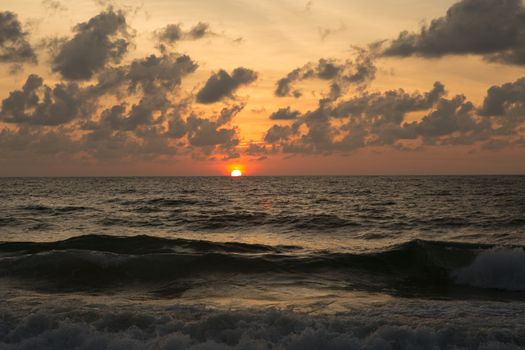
column 162, row 202
column 141, row 244
column 241, row 220
column 497, row 268
column 79, row 325
column 43, row 209
column 413, row 268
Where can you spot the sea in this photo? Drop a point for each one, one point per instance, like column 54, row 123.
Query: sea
column 384, row 262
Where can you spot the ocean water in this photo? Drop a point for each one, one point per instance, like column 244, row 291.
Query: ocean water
column 262, row 263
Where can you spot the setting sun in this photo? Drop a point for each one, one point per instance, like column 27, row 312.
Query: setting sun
column 236, row 173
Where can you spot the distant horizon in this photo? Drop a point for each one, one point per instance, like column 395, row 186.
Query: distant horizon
column 255, row 176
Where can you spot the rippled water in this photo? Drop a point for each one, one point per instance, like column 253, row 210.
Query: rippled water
column 321, row 212
column 382, row 262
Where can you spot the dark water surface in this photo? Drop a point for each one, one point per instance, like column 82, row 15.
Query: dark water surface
column 263, row 263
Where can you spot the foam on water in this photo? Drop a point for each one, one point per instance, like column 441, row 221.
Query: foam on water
column 74, row 324
column 496, row 268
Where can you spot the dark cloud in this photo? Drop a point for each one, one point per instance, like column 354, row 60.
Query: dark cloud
column 139, row 109
column 121, row 133
column 506, row 99
column 203, row 132
column 227, row 114
column 136, row 131
column 29, row 142
column 39, row 104
column 14, row 47
column 174, row 33
column 492, row 28
column 448, row 117
column 382, row 119
column 101, row 40
column 150, row 79
column 136, row 110
column 119, row 118
column 389, row 106
column 285, row 114
column 199, row 31
column 159, row 72
column 254, row 149
column 506, row 105
column 278, row 133
column 221, row 84
column 340, row 74
column 151, row 75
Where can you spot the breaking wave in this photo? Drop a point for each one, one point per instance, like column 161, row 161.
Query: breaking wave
column 84, row 326
column 422, row 267
column 497, row 268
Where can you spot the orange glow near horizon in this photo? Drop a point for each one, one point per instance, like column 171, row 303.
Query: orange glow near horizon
column 236, row 173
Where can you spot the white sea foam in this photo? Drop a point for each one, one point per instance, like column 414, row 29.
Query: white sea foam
column 401, row 325
column 498, row 268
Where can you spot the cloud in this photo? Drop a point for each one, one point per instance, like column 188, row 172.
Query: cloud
column 203, row 132
column 136, row 110
column 455, row 115
column 39, row 104
column 14, row 47
column 389, row 106
column 340, row 74
column 254, row 149
column 159, row 72
column 174, row 33
column 151, row 75
column 492, row 28
column 152, row 78
column 152, row 118
column 101, row 40
column 222, row 85
column 127, row 133
column 278, row 133
column 382, row 119
column 160, row 121
column 506, row 105
column 505, row 99
column 199, row 31
column 30, row 142
column 326, row 32
column 54, row 5
column 285, row 114
column 108, row 110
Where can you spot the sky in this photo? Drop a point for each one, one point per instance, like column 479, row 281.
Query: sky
column 273, row 87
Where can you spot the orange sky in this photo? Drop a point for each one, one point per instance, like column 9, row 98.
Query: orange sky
column 271, row 39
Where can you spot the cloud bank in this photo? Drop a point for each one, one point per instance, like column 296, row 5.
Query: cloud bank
column 108, row 109
column 14, row 47
column 100, row 104
column 494, row 29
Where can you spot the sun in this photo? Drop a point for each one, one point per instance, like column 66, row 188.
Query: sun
column 235, row 169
